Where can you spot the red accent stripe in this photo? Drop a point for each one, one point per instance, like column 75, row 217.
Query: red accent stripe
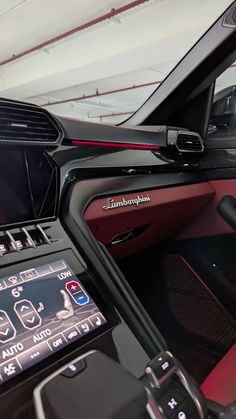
column 117, row 145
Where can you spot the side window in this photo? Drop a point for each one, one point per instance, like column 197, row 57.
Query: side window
column 223, row 114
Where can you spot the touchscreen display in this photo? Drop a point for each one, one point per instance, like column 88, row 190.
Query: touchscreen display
column 42, row 310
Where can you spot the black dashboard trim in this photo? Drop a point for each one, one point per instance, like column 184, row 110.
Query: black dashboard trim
column 108, row 186
column 77, row 197
column 81, row 130
column 122, row 295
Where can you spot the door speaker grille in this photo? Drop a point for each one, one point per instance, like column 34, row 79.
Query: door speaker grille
column 194, row 306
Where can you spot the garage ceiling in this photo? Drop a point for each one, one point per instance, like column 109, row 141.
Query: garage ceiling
column 97, row 60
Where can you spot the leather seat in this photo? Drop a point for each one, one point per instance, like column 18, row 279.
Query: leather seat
column 220, row 385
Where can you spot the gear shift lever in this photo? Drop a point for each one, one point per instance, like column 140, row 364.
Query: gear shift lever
column 94, row 386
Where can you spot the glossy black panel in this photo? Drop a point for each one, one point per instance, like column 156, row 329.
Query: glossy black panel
column 28, row 183
column 103, row 266
column 108, row 186
column 219, row 159
column 81, row 130
column 108, row 157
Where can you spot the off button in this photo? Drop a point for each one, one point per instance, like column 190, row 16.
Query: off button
column 57, row 342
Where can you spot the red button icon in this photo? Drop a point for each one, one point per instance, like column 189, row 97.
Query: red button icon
column 73, row 287
column 77, row 293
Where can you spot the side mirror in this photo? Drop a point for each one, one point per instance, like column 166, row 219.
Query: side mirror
column 223, row 113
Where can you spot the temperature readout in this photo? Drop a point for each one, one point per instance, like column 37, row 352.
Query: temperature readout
column 42, row 310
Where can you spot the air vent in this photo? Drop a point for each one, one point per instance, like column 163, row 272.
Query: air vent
column 189, row 143
column 22, row 123
column 230, row 18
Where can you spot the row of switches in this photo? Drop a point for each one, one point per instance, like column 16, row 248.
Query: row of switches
column 23, row 239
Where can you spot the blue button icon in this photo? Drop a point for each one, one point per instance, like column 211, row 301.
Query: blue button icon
column 81, row 298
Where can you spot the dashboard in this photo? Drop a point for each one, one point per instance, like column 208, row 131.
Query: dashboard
column 74, row 193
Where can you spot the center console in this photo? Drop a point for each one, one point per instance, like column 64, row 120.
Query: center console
column 159, row 394
column 47, row 304
column 75, row 341
column 72, row 331
column 69, row 325
column 52, row 309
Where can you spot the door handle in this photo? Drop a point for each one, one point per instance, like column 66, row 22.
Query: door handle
column 227, row 209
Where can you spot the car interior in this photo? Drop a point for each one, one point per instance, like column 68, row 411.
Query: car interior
column 117, row 248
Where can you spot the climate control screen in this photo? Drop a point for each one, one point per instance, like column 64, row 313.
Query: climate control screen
column 42, row 310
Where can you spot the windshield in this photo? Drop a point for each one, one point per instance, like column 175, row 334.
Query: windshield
column 96, row 60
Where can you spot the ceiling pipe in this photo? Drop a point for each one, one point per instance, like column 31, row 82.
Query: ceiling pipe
column 97, row 94
column 89, row 24
column 107, row 92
